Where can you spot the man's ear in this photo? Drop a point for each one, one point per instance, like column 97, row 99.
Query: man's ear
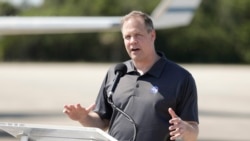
column 153, row 34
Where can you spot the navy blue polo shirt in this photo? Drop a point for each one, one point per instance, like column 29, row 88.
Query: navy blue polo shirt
column 146, row 98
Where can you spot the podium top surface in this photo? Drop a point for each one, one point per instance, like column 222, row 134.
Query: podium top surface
column 38, row 132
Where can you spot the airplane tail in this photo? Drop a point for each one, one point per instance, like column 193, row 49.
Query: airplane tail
column 174, row 13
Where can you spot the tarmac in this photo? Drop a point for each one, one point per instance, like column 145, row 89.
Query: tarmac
column 35, row 93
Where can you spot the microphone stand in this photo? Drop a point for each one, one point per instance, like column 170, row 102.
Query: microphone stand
column 110, row 101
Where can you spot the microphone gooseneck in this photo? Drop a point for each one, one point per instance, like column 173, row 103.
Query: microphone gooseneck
column 129, row 118
column 120, row 71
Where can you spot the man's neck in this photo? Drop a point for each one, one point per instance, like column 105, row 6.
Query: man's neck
column 143, row 66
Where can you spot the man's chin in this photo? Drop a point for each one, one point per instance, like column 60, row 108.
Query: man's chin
column 136, row 58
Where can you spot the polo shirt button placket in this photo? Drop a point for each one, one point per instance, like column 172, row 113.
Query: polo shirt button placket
column 137, row 85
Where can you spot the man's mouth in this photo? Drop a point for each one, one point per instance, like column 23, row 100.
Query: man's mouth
column 135, row 49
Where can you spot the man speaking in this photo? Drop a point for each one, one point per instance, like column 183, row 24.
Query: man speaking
column 153, row 100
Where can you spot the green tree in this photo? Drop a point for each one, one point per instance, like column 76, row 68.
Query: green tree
column 7, row 10
column 104, row 46
column 214, row 35
column 219, row 33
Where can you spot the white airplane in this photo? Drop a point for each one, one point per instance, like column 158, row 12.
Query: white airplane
column 168, row 14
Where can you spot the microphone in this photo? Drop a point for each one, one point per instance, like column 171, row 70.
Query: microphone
column 120, row 70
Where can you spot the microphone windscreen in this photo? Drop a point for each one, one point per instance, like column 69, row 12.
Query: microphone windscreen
column 121, row 69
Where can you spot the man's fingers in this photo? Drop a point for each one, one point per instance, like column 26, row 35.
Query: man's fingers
column 91, row 107
column 176, row 133
column 70, row 108
column 66, row 109
column 172, row 113
column 77, row 109
column 88, row 109
column 175, row 137
column 78, row 106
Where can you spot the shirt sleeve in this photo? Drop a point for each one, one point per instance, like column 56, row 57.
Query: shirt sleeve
column 187, row 106
column 103, row 108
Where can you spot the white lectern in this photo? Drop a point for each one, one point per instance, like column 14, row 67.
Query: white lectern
column 37, row 132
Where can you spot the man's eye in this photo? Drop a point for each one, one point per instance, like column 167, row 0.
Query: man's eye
column 127, row 37
column 138, row 35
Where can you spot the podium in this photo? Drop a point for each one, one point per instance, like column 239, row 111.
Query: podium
column 37, row 132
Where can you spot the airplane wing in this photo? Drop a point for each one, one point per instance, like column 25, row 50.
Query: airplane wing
column 168, row 14
column 174, row 13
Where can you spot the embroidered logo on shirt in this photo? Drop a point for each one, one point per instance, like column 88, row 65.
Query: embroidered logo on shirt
column 154, row 90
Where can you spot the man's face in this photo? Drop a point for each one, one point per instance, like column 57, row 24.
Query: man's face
column 139, row 43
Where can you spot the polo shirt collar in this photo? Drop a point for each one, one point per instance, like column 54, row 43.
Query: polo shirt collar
column 155, row 70
column 130, row 66
column 158, row 67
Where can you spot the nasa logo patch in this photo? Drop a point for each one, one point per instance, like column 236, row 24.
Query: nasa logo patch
column 154, row 90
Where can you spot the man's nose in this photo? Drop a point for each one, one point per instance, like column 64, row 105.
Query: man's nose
column 133, row 40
